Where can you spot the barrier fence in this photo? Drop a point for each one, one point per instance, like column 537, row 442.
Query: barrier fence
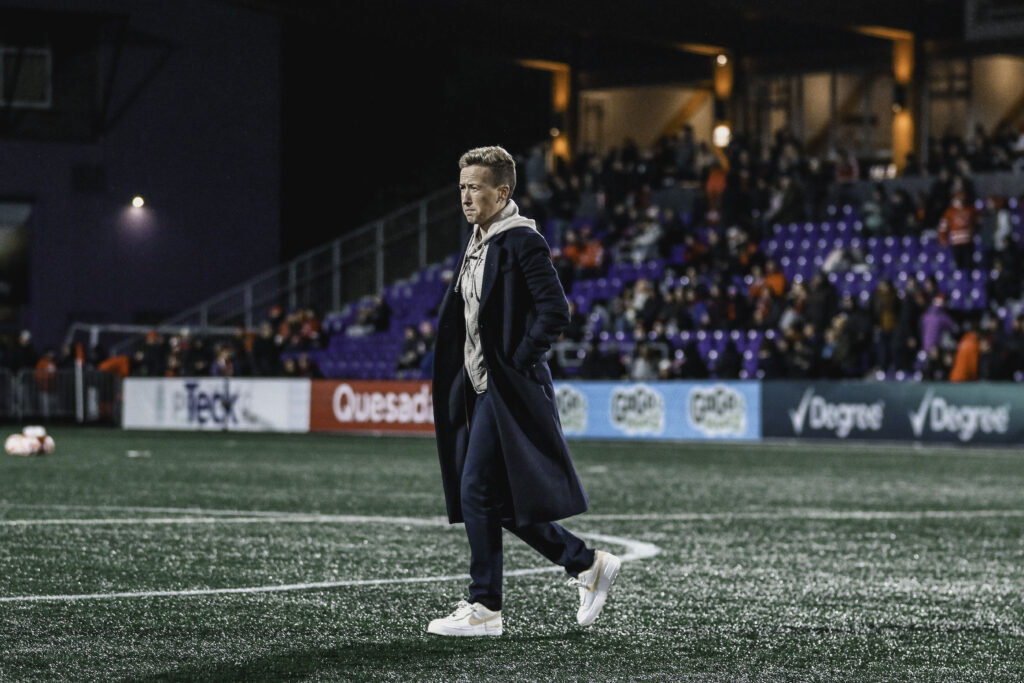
column 67, row 395
column 978, row 413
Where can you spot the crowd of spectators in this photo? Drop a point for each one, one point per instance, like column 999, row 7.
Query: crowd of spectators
column 278, row 347
column 742, row 192
column 718, row 276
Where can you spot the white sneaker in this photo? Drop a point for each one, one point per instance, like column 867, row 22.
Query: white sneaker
column 468, row 620
column 594, row 584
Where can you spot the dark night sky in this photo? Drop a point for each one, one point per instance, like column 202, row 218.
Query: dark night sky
column 375, row 114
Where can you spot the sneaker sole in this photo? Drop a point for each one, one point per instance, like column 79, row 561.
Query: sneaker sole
column 442, row 631
column 605, row 581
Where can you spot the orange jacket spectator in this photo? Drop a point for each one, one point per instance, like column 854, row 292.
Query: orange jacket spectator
column 776, row 282
column 46, row 372
column 118, row 365
column 592, row 255
column 957, row 224
column 965, row 366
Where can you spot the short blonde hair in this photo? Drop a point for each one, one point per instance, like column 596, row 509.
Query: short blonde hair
column 501, row 163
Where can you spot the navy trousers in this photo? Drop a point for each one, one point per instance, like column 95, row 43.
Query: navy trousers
column 485, row 492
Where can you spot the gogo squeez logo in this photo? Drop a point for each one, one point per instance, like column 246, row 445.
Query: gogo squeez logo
column 718, row 411
column 816, row 413
column 638, row 410
column 572, row 409
column 938, row 415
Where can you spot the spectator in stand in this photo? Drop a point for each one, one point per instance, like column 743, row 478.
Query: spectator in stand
column 965, row 364
column 372, row 316
column 675, row 312
column 577, row 326
column 380, row 316
column 875, row 212
column 937, row 200
column 1003, row 283
column 304, row 367
column 993, row 359
column 309, row 327
column 1014, row 344
column 567, row 258
column 223, row 362
column 46, row 380
column 769, row 360
column 266, row 351
column 673, row 231
column 644, row 365
column 786, row 202
column 935, row 323
column 884, row 309
column 152, row 357
column 24, row 354
column 644, row 245
column 428, row 336
column 903, row 213
column 837, row 350
column 411, row 353
column 936, row 366
column 729, row 363
column 802, row 359
column 588, row 255
column 693, row 365
column 743, row 251
column 686, row 155
column 907, row 342
column 794, row 303
column 956, row 230
column 196, row 358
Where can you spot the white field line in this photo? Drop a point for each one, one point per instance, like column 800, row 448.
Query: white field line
column 808, row 514
column 287, row 519
column 203, row 515
column 635, row 550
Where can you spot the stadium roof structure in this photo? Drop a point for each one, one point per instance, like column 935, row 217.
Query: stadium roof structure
column 614, row 43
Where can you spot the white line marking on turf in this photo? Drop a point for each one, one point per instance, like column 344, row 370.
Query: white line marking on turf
column 810, row 514
column 284, row 519
column 249, row 516
column 635, row 550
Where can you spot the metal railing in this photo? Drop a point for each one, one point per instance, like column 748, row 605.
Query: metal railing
column 67, row 395
column 354, row 265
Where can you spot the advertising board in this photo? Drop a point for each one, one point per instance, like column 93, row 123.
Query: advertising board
column 399, row 407
column 983, row 413
column 217, row 404
column 660, row 410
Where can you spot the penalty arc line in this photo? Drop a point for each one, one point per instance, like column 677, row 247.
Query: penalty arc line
column 635, row 550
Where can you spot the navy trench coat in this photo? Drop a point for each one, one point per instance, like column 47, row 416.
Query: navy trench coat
column 523, row 310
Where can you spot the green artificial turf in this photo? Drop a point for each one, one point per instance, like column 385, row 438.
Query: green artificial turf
column 776, row 563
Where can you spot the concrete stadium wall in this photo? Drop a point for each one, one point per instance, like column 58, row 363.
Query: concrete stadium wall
column 196, row 93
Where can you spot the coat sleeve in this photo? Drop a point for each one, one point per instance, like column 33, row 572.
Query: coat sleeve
column 534, row 259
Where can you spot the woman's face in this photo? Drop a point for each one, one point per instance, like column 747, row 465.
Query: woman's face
column 481, row 198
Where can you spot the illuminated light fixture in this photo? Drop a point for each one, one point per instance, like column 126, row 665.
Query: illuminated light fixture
column 721, row 135
column 554, row 132
column 721, row 60
column 138, row 202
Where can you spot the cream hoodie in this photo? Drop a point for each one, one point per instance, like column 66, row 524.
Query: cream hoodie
column 470, row 282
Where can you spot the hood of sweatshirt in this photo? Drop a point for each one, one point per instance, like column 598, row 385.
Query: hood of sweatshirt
column 506, row 219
